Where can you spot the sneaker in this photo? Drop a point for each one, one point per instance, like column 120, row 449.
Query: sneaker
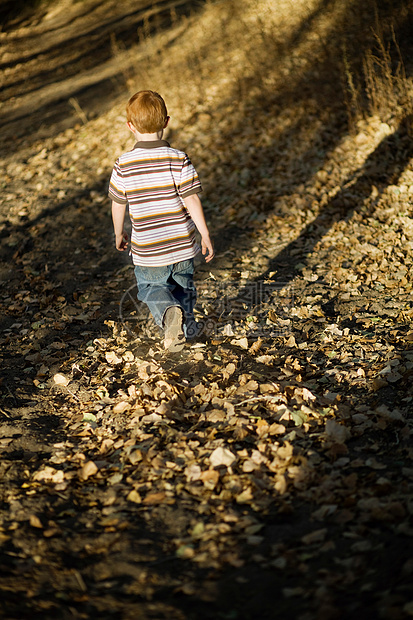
column 174, row 339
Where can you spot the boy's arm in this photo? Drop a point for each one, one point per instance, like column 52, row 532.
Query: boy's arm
column 195, row 210
column 118, row 218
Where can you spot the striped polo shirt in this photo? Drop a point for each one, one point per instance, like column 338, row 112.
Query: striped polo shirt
column 153, row 179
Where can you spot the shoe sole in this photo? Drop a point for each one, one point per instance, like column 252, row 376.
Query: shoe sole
column 174, row 339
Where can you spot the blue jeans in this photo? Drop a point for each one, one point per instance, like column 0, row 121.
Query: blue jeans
column 161, row 288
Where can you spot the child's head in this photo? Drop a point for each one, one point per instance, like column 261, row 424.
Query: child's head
column 147, row 112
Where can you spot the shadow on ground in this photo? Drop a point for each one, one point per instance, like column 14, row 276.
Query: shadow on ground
column 77, row 560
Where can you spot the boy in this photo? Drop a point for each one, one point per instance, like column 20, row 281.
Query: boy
column 161, row 187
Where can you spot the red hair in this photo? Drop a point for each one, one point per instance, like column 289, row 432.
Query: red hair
column 147, row 112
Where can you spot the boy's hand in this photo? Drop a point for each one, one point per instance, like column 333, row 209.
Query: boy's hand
column 118, row 217
column 194, row 208
column 121, row 241
column 207, row 246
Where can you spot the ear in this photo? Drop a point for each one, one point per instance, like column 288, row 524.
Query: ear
column 131, row 127
column 168, row 118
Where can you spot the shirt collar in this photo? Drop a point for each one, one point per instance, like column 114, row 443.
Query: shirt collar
column 150, row 144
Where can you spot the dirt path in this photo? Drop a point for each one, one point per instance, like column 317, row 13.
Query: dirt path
column 73, row 62
column 265, row 474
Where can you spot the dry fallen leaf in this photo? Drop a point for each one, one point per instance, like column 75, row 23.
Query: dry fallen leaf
column 133, row 496
column 60, row 379
column 89, row 469
column 245, row 497
column 112, row 358
column 290, row 342
column 222, row 456
column 121, row 407
column 337, row 432
column 35, row 522
column 210, row 478
column 314, row 537
column 155, row 498
column 49, row 474
column 240, row 342
column 265, row 359
column 313, row 289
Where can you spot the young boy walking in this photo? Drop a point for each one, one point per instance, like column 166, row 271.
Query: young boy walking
column 161, row 187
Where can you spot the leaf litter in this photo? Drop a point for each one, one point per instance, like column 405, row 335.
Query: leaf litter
column 281, row 446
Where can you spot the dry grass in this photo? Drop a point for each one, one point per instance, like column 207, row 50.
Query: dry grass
column 256, row 92
column 233, row 76
column 236, row 65
column 383, row 83
column 229, row 53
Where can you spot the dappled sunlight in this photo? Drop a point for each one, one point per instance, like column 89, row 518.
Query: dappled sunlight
column 265, row 471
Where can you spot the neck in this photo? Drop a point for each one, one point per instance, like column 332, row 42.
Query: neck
column 148, row 137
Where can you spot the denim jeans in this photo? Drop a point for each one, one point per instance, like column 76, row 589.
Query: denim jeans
column 161, row 288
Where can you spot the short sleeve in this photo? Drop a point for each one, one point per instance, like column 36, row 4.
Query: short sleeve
column 117, row 190
column 189, row 182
